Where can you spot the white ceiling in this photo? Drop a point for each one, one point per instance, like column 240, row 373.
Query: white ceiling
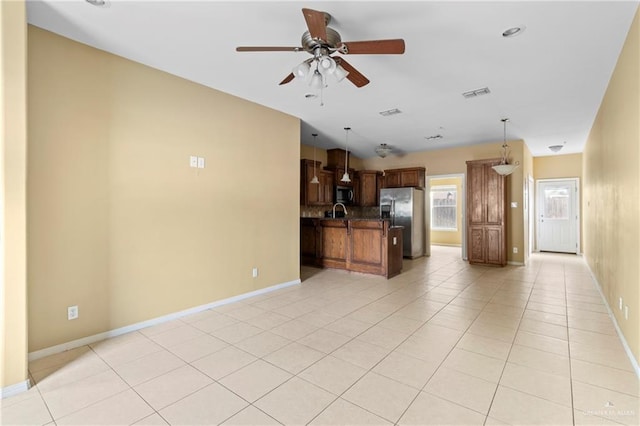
column 549, row 80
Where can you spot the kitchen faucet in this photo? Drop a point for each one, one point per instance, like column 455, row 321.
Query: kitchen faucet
column 334, row 209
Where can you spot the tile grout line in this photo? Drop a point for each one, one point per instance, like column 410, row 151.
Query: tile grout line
column 506, row 361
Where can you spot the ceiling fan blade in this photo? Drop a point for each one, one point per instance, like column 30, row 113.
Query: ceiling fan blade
column 317, row 23
column 373, row 47
column 268, row 49
column 354, row 76
column 287, row 79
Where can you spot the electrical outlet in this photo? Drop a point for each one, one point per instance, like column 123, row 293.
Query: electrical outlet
column 193, row 161
column 201, row 162
column 515, row 250
column 72, row 312
column 626, row 312
column 620, row 303
column 255, row 272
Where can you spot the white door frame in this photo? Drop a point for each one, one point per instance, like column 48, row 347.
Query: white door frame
column 577, row 209
column 463, row 206
column 532, row 215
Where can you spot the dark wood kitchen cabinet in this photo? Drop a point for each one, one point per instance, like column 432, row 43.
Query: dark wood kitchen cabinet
column 370, row 246
column 486, row 214
column 406, row 177
column 315, row 194
column 368, row 188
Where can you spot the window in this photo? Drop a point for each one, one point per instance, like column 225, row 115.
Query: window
column 444, row 208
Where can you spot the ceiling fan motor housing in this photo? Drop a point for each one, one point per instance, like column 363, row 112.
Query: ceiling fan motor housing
column 310, row 45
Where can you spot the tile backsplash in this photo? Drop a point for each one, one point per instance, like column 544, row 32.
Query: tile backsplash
column 353, row 211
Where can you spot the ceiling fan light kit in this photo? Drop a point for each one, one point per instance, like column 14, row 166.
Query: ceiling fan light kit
column 322, row 42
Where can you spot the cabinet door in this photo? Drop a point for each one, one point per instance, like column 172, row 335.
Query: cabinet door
column 409, row 178
column 326, row 183
column 475, row 194
column 494, row 196
column 368, row 189
column 392, row 180
column 475, row 251
column 494, row 252
column 312, row 192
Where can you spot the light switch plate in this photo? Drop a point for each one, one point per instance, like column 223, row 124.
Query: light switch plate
column 514, row 204
column 193, row 161
column 201, row 162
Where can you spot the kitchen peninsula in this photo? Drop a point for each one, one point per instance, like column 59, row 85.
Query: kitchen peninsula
column 370, row 246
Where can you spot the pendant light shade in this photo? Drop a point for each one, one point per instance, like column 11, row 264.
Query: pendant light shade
column 314, row 180
column 345, row 176
column 504, row 168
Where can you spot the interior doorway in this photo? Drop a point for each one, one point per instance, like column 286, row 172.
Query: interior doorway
column 446, row 196
column 558, row 215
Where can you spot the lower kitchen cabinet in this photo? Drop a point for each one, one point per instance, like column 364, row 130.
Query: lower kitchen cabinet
column 361, row 245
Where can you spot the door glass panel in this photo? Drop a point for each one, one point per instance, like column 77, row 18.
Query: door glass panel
column 444, row 213
column 556, row 203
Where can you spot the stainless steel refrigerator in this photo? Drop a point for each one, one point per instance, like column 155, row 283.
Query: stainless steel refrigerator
column 405, row 207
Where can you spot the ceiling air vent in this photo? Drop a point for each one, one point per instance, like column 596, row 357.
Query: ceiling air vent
column 389, row 112
column 477, row 92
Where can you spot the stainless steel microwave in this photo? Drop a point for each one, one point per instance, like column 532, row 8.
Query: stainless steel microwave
column 344, row 195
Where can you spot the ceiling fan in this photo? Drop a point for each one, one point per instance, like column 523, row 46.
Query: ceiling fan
column 322, row 41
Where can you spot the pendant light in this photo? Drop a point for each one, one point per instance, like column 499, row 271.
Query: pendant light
column 315, row 176
column 345, row 176
column 504, row 168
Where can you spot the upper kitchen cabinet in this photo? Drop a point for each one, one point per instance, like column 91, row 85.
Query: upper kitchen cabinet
column 403, row 178
column 315, row 194
column 486, row 214
column 368, row 187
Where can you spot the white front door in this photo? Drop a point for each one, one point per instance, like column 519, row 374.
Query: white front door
column 558, row 215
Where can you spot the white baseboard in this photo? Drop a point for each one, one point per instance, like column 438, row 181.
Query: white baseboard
column 154, row 321
column 627, row 349
column 515, row 263
column 15, row 389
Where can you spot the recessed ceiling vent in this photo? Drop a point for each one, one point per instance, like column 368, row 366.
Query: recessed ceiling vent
column 389, row 112
column 433, row 138
column 476, row 93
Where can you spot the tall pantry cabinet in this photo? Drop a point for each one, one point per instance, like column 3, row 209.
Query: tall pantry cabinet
column 486, row 214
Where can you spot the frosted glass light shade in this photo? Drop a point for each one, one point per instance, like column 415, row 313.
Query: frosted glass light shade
column 301, row 70
column 505, row 169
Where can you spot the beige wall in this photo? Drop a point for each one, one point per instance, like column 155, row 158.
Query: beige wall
column 453, row 160
column 13, row 320
column 558, row 166
column 452, row 238
column 118, row 223
column 611, row 190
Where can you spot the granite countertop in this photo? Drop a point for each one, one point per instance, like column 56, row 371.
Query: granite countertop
column 347, row 218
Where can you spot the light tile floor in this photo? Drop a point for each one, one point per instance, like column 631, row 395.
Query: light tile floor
column 443, row 343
